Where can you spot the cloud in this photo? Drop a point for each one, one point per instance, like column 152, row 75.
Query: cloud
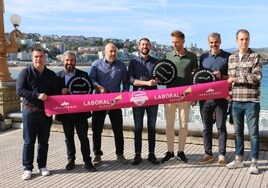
column 131, row 18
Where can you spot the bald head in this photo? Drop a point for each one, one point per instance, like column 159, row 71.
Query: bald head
column 110, row 52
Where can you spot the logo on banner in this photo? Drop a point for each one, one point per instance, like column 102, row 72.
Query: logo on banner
column 116, row 99
column 65, row 106
column 203, row 76
column 139, row 98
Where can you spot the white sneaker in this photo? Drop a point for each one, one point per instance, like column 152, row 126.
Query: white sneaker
column 27, row 174
column 253, row 169
column 44, row 171
column 235, row 164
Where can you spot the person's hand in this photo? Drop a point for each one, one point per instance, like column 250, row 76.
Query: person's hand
column 64, row 91
column 217, row 74
column 231, row 80
column 152, row 82
column 42, row 96
column 102, row 89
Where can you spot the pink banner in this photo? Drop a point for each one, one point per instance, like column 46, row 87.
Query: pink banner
column 63, row 104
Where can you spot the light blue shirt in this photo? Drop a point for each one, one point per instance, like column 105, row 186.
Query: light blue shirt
column 110, row 76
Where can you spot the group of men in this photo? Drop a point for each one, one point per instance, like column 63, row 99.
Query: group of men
column 243, row 70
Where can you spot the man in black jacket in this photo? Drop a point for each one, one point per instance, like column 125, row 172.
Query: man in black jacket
column 75, row 120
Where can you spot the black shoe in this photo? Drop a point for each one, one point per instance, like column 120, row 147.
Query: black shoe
column 152, row 159
column 182, row 157
column 168, row 156
column 90, row 167
column 137, row 159
column 70, row 165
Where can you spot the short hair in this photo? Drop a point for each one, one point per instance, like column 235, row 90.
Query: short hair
column 178, row 33
column 215, row 34
column 39, row 49
column 69, row 53
column 242, row 31
column 146, row 39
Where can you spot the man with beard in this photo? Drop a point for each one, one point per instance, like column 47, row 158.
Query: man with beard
column 76, row 120
column 140, row 71
column 108, row 75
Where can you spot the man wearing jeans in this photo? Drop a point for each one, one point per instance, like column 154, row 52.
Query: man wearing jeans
column 34, row 84
column 245, row 74
column 140, row 71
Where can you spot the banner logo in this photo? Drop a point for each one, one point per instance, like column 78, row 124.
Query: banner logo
column 139, row 98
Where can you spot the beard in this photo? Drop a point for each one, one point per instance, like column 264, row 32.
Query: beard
column 145, row 51
column 69, row 67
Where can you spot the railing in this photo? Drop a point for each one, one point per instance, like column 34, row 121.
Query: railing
column 195, row 115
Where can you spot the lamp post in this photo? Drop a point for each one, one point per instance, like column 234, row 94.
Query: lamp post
column 9, row 101
column 11, row 47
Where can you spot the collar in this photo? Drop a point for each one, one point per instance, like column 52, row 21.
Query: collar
column 70, row 73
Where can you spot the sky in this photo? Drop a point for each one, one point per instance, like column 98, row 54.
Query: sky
column 133, row 19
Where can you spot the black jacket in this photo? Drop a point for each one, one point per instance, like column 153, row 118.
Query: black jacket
column 61, row 82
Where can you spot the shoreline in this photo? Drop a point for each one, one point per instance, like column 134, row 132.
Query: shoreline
column 50, row 67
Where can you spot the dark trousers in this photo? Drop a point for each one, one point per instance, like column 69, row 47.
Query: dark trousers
column 116, row 119
column 35, row 125
column 81, row 127
column 138, row 113
column 207, row 108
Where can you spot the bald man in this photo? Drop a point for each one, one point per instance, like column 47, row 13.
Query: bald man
column 108, row 75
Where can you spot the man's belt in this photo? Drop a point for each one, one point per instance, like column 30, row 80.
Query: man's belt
column 35, row 109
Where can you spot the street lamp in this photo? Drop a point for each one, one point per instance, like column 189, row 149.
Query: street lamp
column 11, row 47
column 9, row 101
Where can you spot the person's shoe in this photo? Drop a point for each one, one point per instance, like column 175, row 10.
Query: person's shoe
column 253, row 169
column 168, row 156
column 44, row 171
column 122, row 159
column 152, row 159
column 137, row 159
column 235, row 164
column 27, row 174
column 90, row 167
column 221, row 160
column 97, row 160
column 181, row 156
column 206, row 159
column 70, row 165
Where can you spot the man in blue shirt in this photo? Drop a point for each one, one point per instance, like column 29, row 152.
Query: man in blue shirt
column 217, row 61
column 140, row 71
column 107, row 75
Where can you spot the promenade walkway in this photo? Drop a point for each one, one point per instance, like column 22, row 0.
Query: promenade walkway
column 112, row 174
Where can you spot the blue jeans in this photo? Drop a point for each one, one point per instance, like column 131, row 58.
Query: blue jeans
column 116, row 119
column 251, row 110
column 138, row 113
column 207, row 108
column 35, row 125
column 81, row 126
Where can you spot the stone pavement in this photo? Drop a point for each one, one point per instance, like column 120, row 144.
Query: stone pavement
column 112, row 174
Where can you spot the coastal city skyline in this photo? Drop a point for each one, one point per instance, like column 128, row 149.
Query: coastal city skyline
column 134, row 20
